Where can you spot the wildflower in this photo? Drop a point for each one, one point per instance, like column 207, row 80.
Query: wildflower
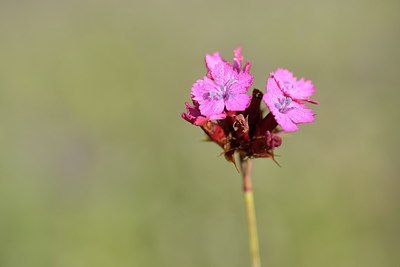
column 285, row 96
column 234, row 120
column 224, row 87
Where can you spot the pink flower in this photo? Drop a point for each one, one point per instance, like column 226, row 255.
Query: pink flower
column 213, row 60
column 235, row 120
column 225, row 86
column 284, row 98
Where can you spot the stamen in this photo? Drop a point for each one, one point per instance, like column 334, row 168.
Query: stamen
column 283, row 104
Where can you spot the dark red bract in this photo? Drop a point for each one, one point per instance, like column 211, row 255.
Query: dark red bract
column 245, row 132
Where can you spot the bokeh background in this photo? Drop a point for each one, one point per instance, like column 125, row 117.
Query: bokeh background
column 98, row 169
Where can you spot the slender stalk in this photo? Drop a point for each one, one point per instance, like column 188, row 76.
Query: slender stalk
column 246, row 167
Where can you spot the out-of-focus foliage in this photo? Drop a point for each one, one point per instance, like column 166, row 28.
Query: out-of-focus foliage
column 98, row 169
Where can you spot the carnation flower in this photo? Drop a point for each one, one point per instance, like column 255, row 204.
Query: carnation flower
column 235, row 120
column 227, row 89
column 285, row 96
column 224, row 87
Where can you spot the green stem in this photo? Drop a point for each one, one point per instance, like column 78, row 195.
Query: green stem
column 246, row 167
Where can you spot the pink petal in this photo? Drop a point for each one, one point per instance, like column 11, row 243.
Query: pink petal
column 272, row 95
column 282, row 75
column 238, row 58
column 299, row 90
column 237, row 102
column 223, row 73
column 285, row 122
column 208, row 108
column 212, row 60
column 305, row 89
column 300, row 114
column 247, row 67
column 201, row 87
column 242, row 84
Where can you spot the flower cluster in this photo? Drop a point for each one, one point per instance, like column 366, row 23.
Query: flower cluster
column 234, row 120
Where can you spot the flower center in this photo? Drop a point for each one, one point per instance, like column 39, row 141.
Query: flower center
column 283, row 104
column 220, row 92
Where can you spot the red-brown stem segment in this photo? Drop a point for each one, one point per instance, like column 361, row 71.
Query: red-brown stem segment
column 246, row 167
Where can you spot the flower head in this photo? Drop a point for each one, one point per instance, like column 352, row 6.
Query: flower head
column 224, row 87
column 285, row 96
column 227, row 89
column 234, row 120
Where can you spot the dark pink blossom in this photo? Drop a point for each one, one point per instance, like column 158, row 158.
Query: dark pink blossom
column 226, row 89
column 213, row 60
column 236, row 121
column 298, row 90
column 284, row 98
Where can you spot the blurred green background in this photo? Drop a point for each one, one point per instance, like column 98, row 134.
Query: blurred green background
column 98, row 169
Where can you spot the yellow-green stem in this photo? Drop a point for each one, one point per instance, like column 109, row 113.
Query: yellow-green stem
column 246, row 166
